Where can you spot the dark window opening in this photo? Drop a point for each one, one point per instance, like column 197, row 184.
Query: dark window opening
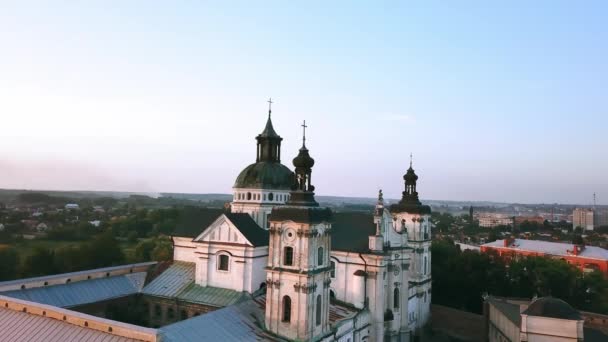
column 396, row 298
column 224, row 260
column 286, row 309
column 288, row 256
column 320, row 256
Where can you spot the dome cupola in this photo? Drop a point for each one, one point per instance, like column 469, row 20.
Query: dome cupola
column 267, row 172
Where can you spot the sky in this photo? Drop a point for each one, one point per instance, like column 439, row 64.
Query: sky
column 497, row 100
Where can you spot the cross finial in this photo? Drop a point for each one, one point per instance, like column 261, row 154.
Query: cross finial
column 270, row 106
column 411, row 158
column 304, row 133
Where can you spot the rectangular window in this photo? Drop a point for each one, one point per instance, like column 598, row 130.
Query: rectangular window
column 288, row 256
column 223, row 263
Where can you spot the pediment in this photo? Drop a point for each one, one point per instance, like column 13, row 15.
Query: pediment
column 223, row 231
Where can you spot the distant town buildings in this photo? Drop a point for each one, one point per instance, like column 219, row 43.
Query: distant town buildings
column 72, row 206
column 491, row 220
column 587, row 258
column 518, row 220
column 582, row 217
column 589, row 218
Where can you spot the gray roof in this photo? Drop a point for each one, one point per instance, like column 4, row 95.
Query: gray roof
column 172, row 281
column 265, row 175
column 82, row 292
column 122, row 269
column 240, row 322
column 552, row 307
column 19, row 326
column 511, row 311
column 249, row 228
column 351, row 231
column 178, row 282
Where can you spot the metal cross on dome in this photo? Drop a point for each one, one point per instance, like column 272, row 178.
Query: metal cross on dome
column 304, row 132
column 270, row 106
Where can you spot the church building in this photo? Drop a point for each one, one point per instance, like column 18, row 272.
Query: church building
column 305, row 263
column 273, row 266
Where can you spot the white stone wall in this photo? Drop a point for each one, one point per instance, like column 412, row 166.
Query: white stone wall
column 258, row 203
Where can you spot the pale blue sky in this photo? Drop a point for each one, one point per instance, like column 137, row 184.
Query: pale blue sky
column 503, row 101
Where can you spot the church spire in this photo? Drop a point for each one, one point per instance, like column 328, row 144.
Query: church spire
column 269, row 142
column 270, row 107
column 303, row 190
column 410, row 195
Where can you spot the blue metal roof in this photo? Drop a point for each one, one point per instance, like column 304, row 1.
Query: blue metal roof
column 76, row 274
column 240, row 322
column 172, row 281
column 178, row 282
column 82, row 292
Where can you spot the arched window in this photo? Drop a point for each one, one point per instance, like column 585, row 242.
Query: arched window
column 288, row 256
column 286, row 309
column 396, row 298
column 249, row 196
column 332, row 273
column 271, row 196
column 320, row 256
column 318, row 309
column 223, row 262
column 264, row 197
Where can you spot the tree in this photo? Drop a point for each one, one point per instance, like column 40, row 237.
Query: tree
column 163, row 251
column 9, row 260
column 158, row 249
column 41, row 262
column 104, row 251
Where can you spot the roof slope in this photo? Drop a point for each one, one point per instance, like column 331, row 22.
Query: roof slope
column 178, row 282
column 23, row 327
column 552, row 307
column 192, row 221
column 249, row 228
column 511, row 311
column 239, row 322
column 172, row 281
column 82, row 292
column 351, row 231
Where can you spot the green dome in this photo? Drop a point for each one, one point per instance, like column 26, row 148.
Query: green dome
column 265, row 175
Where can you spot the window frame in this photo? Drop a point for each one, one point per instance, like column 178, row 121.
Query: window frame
column 219, row 262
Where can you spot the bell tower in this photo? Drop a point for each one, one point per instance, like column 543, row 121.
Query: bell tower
column 298, row 270
column 412, row 218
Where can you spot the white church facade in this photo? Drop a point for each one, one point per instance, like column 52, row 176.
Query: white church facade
column 306, row 263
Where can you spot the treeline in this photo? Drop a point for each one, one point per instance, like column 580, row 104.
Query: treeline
column 461, row 278
column 102, row 250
